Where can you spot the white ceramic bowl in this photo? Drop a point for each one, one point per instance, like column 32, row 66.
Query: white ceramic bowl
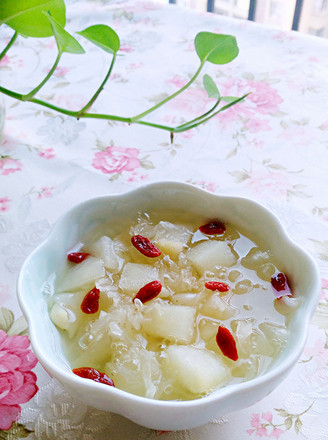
column 92, row 214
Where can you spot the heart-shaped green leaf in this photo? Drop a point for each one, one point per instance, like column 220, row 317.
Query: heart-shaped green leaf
column 210, row 87
column 65, row 41
column 216, row 48
column 26, row 16
column 102, row 36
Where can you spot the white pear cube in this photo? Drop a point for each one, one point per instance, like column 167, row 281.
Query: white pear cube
column 208, row 329
column 65, row 312
column 198, row 370
column 243, row 329
column 83, row 274
column 215, row 307
column 134, row 276
column 137, row 371
column 94, row 354
column 104, row 249
column 210, row 255
column 168, row 321
column 187, row 299
column 276, row 335
column 171, row 238
column 61, row 316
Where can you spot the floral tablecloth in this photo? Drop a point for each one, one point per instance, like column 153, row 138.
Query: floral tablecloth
column 273, row 148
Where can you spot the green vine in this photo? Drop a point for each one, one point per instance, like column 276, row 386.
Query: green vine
column 44, row 18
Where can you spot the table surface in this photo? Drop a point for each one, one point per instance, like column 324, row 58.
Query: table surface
column 273, row 148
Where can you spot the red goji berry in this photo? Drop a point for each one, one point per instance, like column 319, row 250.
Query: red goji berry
column 93, row 374
column 90, row 303
column 145, row 246
column 213, row 228
column 280, row 285
column 77, row 257
column 227, row 343
column 149, row 291
column 217, row 285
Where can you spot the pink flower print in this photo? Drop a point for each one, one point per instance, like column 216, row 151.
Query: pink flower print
column 255, row 125
column 267, row 416
column 177, row 81
column 298, row 135
column 4, row 204
column 324, row 126
column 4, row 293
column 135, row 66
column 324, row 289
column 51, row 44
column 4, row 61
column 45, row 192
column 17, row 381
column 319, row 352
column 258, row 428
column 61, row 71
column 283, row 36
column 314, row 59
column 233, row 114
column 136, row 177
column 256, row 143
column 9, row 165
column 265, row 98
column 261, row 426
column 72, row 102
column 192, row 101
column 47, row 153
column 126, row 48
column 266, row 182
column 276, row 433
column 116, row 160
column 209, row 186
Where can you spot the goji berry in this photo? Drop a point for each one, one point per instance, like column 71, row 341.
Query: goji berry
column 145, row 246
column 227, row 343
column 90, row 303
column 93, row 374
column 217, row 285
column 280, row 285
column 77, row 257
column 213, row 228
column 149, row 291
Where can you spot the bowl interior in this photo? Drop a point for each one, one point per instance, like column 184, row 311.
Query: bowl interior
column 115, row 212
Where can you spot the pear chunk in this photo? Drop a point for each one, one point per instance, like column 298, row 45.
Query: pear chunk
column 134, row 276
column 83, row 275
column 211, row 255
column 104, row 249
column 168, row 321
column 215, row 307
column 61, row 316
column 171, row 238
column 198, row 370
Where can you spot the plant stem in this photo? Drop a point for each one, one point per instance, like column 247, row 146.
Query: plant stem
column 77, row 114
column 11, row 42
column 201, row 121
column 159, row 104
column 201, row 116
column 102, row 85
column 11, row 93
column 29, row 95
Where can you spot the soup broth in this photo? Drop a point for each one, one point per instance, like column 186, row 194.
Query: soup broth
column 169, row 308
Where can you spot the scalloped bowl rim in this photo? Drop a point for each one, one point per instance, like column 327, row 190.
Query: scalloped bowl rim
column 273, row 375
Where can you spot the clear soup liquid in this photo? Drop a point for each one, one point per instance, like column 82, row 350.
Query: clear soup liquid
column 166, row 348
